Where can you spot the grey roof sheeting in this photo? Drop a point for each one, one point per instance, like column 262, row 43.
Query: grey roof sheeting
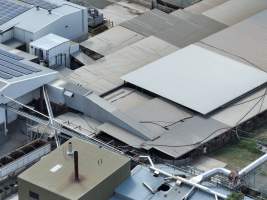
column 111, row 40
column 100, row 4
column 204, row 5
column 243, row 110
column 237, row 10
column 177, row 131
column 105, row 74
column 245, row 40
column 187, row 136
column 148, row 115
column 176, row 30
column 185, row 80
column 126, row 98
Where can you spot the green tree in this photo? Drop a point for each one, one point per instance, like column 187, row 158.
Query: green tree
column 236, row 196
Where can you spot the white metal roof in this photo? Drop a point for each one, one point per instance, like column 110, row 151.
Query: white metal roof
column 34, row 20
column 48, row 42
column 198, row 78
column 234, row 11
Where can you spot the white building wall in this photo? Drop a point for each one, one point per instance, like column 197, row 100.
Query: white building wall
column 61, row 52
column 7, row 35
column 57, row 56
column 71, row 26
column 23, row 35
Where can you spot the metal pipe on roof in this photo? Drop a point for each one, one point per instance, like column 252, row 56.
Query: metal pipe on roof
column 253, row 165
column 70, row 149
column 227, row 172
column 51, row 115
column 210, row 173
column 183, row 180
column 191, row 183
column 76, row 166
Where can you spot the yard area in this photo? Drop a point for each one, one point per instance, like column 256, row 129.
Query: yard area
column 240, row 153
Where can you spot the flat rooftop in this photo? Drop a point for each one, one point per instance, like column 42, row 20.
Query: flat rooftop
column 174, row 29
column 55, row 172
column 235, row 12
column 49, row 41
column 198, row 83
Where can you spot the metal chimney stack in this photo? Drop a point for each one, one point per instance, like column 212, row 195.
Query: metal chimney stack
column 76, row 166
column 70, row 149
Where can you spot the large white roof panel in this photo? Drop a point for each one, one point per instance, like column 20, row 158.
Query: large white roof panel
column 198, row 78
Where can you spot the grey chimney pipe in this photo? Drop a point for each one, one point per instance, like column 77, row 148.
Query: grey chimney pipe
column 37, row 7
column 49, row 11
column 70, row 149
column 76, row 166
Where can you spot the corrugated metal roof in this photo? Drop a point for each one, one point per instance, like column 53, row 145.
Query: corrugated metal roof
column 121, row 11
column 234, row 11
column 175, row 129
column 245, row 40
column 197, row 83
column 204, row 5
column 176, row 30
column 111, row 40
column 126, row 98
column 243, row 110
column 104, row 75
column 48, row 42
column 95, row 3
column 187, row 136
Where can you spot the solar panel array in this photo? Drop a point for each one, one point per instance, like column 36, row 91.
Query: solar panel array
column 10, row 10
column 5, row 53
column 41, row 3
column 11, row 66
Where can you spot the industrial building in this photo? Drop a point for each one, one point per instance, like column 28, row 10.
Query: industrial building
column 107, row 83
column 94, row 175
column 24, row 21
column 67, row 174
column 53, row 50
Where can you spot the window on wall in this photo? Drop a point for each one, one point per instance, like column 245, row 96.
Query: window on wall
column 33, row 195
